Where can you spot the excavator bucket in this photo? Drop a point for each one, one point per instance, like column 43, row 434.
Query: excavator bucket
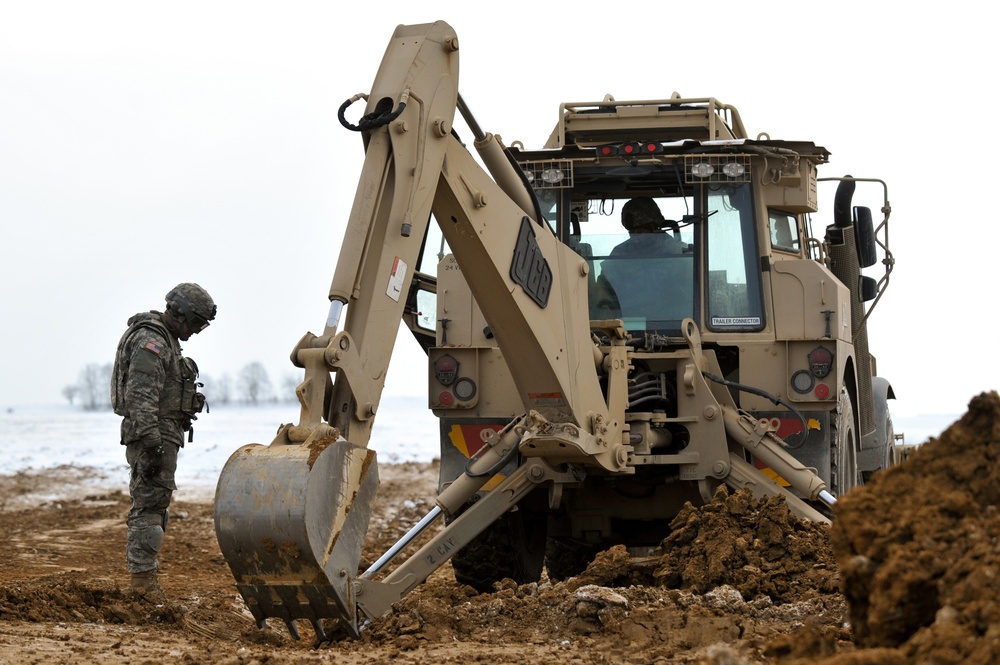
column 291, row 522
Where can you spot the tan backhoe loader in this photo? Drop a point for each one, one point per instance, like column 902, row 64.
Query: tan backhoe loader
column 585, row 392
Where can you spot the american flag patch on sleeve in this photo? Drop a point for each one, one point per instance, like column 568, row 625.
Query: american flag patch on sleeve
column 154, row 347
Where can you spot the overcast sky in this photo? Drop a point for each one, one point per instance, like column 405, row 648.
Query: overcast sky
column 145, row 144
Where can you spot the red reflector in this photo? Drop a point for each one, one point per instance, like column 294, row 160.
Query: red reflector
column 822, row 391
column 446, row 399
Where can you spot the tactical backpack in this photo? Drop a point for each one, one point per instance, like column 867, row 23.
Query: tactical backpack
column 120, row 372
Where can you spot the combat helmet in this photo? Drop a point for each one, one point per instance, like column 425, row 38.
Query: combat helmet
column 642, row 213
column 190, row 303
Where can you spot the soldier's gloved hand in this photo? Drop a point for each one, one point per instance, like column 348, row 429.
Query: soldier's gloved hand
column 151, row 458
column 150, row 462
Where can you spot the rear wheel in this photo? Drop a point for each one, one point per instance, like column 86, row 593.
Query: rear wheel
column 565, row 557
column 890, row 455
column 844, row 474
column 512, row 547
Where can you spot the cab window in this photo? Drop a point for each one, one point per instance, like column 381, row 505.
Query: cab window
column 734, row 294
column 784, row 231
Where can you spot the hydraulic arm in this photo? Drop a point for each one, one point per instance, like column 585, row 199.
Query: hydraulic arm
column 291, row 516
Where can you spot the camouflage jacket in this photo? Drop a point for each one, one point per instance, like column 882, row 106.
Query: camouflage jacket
column 152, row 385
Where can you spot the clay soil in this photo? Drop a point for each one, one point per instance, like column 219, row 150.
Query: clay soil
column 910, row 572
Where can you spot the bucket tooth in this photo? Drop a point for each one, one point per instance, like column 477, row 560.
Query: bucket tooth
column 321, row 636
column 293, row 628
column 291, row 521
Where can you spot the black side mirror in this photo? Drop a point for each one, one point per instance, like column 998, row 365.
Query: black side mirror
column 864, row 236
column 869, row 289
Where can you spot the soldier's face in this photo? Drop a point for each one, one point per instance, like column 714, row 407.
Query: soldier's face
column 176, row 326
column 185, row 328
column 195, row 323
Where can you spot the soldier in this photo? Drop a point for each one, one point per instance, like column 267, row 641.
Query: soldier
column 645, row 224
column 154, row 389
column 634, row 276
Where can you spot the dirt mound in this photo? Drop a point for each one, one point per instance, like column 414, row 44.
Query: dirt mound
column 64, row 593
column 918, row 547
column 729, row 573
column 632, row 623
column 757, row 547
column 738, row 581
column 64, row 598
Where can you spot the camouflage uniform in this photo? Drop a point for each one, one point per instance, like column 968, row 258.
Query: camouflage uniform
column 154, row 389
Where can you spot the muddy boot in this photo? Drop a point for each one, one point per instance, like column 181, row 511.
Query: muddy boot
column 146, row 583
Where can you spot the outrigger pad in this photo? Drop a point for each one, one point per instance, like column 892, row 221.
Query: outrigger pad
column 291, row 521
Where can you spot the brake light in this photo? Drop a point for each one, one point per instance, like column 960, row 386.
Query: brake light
column 445, row 370
column 630, row 149
column 820, row 361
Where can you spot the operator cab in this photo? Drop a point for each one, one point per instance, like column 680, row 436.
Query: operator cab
column 702, row 263
column 652, row 280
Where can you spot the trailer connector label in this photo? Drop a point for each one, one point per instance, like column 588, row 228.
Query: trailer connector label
column 736, row 321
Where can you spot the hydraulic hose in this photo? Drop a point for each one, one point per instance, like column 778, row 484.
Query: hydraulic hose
column 766, row 395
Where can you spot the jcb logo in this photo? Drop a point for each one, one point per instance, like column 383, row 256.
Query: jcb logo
column 529, row 268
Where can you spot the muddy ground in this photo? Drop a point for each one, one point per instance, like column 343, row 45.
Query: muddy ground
column 908, row 573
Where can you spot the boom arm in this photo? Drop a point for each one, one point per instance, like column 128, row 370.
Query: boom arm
column 419, row 74
column 531, row 287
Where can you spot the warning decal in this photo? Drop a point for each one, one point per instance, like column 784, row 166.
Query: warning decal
column 396, row 278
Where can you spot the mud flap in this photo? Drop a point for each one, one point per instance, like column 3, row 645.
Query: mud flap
column 291, row 522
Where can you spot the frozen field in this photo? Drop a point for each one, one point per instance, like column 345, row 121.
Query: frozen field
column 84, row 445
column 37, row 438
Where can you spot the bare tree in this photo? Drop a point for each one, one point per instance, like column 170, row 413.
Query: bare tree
column 224, row 389
column 71, row 393
column 288, row 385
column 94, row 388
column 253, row 383
column 217, row 391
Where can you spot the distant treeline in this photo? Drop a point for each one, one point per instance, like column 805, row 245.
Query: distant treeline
column 252, row 385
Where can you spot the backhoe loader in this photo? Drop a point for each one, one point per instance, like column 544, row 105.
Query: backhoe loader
column 592, row 370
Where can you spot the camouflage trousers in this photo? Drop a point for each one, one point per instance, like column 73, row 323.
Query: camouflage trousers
column 150, row 493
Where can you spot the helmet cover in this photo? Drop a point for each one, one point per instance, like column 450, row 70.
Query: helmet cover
column 191, row 303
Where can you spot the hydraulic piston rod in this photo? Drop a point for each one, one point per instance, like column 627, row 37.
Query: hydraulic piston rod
column 766, row 446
